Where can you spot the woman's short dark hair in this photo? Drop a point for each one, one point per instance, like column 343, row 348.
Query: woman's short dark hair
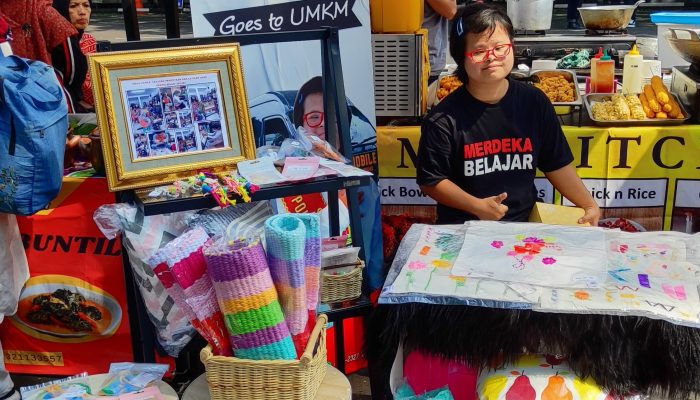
column 474, row 18
column 313, row 85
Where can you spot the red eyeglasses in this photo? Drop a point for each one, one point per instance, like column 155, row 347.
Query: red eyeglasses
column 314, row 119
column 482, row 55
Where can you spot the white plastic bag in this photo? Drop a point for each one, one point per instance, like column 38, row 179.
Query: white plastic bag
column 14, row 270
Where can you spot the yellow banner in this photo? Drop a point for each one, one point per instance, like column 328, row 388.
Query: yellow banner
column 645, row 178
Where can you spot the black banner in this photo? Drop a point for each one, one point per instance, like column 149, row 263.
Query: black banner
column 293, row 16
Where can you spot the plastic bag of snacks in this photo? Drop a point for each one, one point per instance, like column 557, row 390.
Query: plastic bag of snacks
column 128, row 377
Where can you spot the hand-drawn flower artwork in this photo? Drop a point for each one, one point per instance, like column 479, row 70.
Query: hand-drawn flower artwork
column 441, row 264
column 416, row 266
column 497, row 244
column 459, row 281
column 530, row 247
column 412, row 267
column 582, row 295
column 438, row 264
column 450, row 245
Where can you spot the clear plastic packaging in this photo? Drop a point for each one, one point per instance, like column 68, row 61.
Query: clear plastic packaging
column 268, row 151
column 304, row 145
column 142, row 237
column 129, row 377
column 71, row 388
column 107, row 219
column 294, row 148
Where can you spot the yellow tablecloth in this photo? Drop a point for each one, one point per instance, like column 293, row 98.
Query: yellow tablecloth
column 649, row 175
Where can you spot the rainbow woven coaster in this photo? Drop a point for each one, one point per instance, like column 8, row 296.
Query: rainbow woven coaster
column 249, row 302
column 312, row 258
column 186, row 261
column 210, row 323
column 285, row 239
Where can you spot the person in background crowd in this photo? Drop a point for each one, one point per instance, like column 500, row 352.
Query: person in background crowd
column 572, row 14
column 436, row 17
column 38, row 28
column 633, row 21
column 480, row 147
column 69, row 57
column 5, row 37
column 78, row 12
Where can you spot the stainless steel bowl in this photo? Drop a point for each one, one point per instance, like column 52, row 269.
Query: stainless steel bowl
column 688, row 48
column 607, row 18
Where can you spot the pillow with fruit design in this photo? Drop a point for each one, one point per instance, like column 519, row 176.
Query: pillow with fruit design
column 537, row 377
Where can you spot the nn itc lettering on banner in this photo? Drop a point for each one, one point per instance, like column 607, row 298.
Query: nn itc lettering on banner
column 505, row 154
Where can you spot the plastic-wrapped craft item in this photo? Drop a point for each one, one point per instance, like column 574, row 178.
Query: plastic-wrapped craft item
column 71, row 388
column 143, row 236
column 294, row 148
column 245, row 220
column 128, row 377
column 304, row 145
column 249, row 301
column 165, row 276
column 186, row 264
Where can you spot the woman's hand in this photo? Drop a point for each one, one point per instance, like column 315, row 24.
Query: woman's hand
column 492, row 208
column 591, row 215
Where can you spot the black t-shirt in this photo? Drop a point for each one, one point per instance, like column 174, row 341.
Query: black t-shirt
column 488, row 149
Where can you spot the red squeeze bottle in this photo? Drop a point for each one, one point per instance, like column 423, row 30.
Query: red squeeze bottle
column 594, row 62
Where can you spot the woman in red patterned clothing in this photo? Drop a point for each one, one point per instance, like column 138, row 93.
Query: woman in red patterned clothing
column 37, row 28
column 69, row 58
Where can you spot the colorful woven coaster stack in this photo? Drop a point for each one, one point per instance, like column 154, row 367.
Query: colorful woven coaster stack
column 312, row 258
column 186, row 261
column 248, row 299
column 285, row 240
column 161, row 270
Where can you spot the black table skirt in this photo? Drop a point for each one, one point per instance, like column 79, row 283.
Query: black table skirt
column 623, row 354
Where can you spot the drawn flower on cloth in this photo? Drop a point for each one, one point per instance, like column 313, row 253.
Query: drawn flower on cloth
column 458, row 280
column 441, row 264
column 416, row 266
column 533, row 240
column 529, row 247
column 497, row 244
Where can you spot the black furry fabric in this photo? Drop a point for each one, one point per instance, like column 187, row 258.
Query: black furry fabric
column 623, row 354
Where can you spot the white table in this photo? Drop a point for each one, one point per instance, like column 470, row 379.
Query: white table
column 335, row 386
column 96, row 381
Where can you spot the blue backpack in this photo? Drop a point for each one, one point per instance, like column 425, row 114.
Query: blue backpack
column 33, row 126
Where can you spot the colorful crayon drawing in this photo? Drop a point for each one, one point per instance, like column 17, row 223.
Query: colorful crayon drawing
column 536, row 254
column 553, row 269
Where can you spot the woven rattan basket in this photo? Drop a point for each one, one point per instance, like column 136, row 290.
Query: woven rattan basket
column 335, row 288
column 235, row 378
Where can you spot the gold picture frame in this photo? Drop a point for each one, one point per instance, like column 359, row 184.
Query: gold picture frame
column 164, row 114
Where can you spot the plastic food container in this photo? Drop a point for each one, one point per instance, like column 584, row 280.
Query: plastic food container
column 666, row 20
column 562, row 108
column 598, row 97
